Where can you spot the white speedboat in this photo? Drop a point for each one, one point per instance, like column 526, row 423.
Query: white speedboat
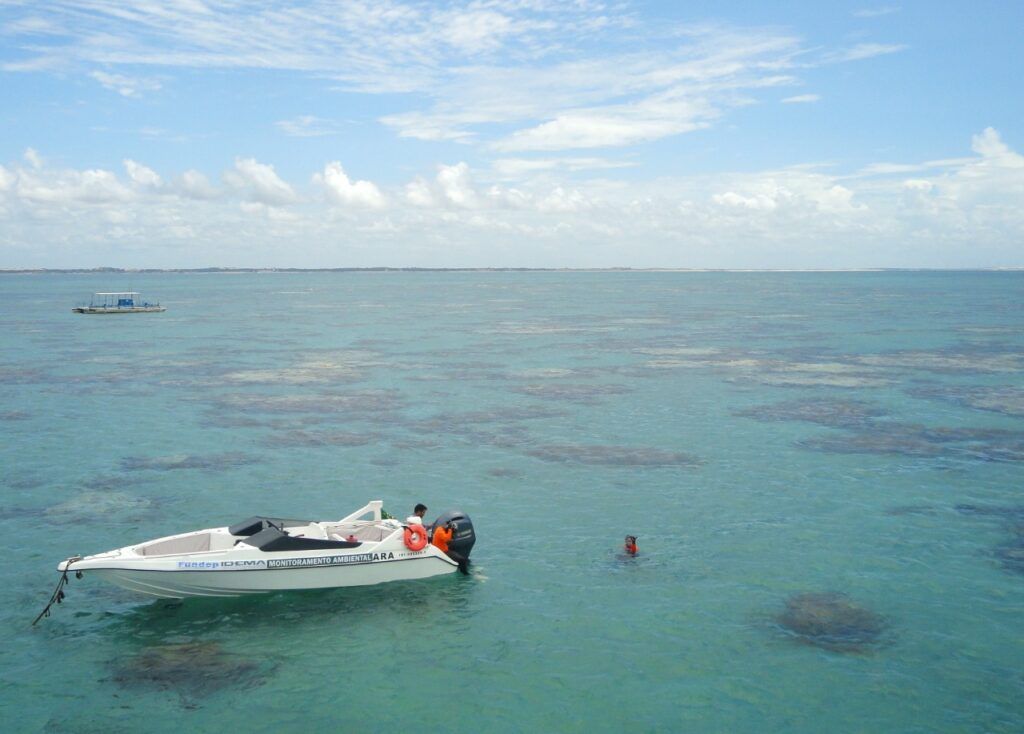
column 118, row 302
column 262, row 554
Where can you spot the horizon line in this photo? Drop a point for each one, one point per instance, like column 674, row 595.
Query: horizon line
column 379, row 269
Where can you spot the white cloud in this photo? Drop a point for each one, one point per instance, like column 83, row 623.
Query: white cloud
column 32, row 157
column 862, row 51
column 801, row 98
column 260, row 182
column 419, row 193
column 758, row 201
column 917, row 184
column 479, row 69
column 31, row 26
column 476, row 30
column 563, row 200
column 260, row 210
column 91, row 186
column 618, row 99
column 126, row 86
column 379, row 46
column 194, row 185
column 876, row 12
column 455, row 185
column 346, row 192
column 435, row 127
column 990, row 146
column 142, row 175
column 614, row 125
column 514, row 168
column 454, row 188
column 308, row 126
column 790, row 191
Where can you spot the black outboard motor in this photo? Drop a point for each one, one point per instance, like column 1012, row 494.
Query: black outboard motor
column 463, row 536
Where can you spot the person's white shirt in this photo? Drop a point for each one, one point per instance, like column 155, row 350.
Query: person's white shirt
column 414, row 520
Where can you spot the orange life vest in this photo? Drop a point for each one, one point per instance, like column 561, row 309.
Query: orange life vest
column 441, row 538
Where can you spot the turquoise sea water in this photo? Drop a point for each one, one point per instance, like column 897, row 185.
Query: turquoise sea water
column 767, row 436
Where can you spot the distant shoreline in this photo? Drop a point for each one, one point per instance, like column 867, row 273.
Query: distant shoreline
column 231, row 271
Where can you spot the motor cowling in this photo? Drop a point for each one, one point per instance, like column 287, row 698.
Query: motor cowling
column 463, row 535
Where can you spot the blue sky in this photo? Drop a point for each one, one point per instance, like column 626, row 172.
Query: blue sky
column 527, row 133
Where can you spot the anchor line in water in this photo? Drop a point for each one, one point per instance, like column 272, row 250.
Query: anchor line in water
column 58, row 594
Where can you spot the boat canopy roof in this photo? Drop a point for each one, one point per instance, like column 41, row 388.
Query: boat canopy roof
column 118, row 293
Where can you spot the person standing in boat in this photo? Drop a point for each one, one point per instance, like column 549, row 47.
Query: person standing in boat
column 416, row 518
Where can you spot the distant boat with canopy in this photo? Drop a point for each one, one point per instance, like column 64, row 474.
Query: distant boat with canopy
column 118, row 302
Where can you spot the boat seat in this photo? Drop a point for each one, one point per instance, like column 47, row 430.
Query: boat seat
column 188, row 544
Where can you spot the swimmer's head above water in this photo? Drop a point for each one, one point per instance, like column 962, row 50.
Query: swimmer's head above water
column 631, row 545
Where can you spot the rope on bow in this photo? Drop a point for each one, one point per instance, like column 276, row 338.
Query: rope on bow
column 58, row 594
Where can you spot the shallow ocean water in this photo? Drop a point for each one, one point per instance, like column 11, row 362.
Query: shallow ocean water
column 769, row 437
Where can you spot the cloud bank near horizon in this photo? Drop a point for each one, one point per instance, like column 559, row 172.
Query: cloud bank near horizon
column 142, row 217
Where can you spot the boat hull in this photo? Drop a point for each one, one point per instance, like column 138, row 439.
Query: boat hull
column 261, row 554
column 109, row 311
column 181, row 584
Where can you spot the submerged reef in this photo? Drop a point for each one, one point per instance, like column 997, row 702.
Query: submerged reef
column 766, row 368
column 1010, row 553
column 208, row 462
column 189, row 668
column 293, row 439
column 462, row 423
column 86, row 507
column 579, row 393
column 831, row 621
column 810, row 367
column 908, row 439
column 356, row 405
column 330, row 368
column 951, row 360
column 900, row 510
column 500, row 426
column 1012, row 512
column 821, row 411
column 504, row 473
column 1004, row 400
column 95, row 505
column 612, row 455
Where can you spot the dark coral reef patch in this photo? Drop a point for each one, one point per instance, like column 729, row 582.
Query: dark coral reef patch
column 1010, row 553
column 612, row 455
column 191, row 669
column 207, row 462
column 1004, row 400
column 831, row 621
column 572, row 393
column 821, row 411
column 312, row 439
column 907, row 439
